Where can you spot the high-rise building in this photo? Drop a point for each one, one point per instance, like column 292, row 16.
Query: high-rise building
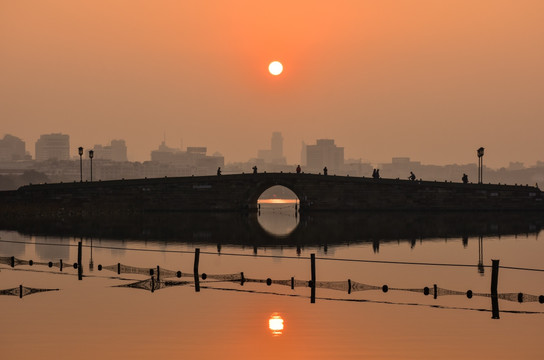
column 12, row 148
column 275, row 154
column 324, row 154
column 276, row 146
column 116, row 151
column 53, row 147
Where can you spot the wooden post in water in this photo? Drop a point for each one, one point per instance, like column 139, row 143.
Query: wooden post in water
column 60, row 264
column 195, row 269
column 20, row 291
column 79, row 264
column 158, row 274
column 12, row 260
column 494, row 293
column 312, row 258
column 118, row 268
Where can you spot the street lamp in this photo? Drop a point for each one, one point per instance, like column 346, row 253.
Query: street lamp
column 91, row 155
column 80, row 164
column 480, row 153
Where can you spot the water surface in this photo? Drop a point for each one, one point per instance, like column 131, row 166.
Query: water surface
column 96, row 318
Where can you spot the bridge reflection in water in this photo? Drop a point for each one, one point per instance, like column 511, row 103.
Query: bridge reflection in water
column 315, row 229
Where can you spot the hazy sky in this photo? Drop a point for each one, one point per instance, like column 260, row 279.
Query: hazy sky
column 433, row 80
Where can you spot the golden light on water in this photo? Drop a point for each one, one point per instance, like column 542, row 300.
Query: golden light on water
column 277, row 201
column 275, row 324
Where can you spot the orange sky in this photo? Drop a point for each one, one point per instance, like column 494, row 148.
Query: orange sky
column 433, row 80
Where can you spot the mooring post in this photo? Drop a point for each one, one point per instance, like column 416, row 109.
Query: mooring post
column 312, row 257
column 118, row 268
column 435, row 290
column 60, row 264
column 242, row 278
column 494, row 293
column 79, row 265
column 152, row 284
column 195, row 269
column 20, row 291
column 292, row 282
column 12, row 260
column 158, row 274
column 349, row 286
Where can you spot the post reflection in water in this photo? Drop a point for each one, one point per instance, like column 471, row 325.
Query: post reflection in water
column 276, row 324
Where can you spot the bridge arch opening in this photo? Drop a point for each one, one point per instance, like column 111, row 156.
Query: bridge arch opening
column 278, row 210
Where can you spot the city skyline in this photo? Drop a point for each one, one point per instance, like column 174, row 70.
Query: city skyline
column 121, row 153
column 428, row 80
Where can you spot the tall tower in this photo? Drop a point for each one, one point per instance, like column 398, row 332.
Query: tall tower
column 276, row 146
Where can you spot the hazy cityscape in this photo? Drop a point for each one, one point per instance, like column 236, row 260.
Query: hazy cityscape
column 56, row 159
column 271, row 179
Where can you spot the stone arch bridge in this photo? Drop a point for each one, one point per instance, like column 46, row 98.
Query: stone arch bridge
column 240, row 192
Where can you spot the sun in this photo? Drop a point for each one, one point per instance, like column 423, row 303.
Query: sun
column 275, row 68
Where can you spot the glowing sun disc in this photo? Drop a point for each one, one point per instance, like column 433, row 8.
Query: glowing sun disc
column 275, row 68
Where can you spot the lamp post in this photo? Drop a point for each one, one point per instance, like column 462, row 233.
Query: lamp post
column 480, row 153
column 80, row 164
column 91, row 155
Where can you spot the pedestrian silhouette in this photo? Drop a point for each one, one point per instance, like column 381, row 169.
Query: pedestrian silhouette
column 412, row 176
column 465, row 179
column 255, row 169
column 298, row 169
column 219, row 171
column 325, row 171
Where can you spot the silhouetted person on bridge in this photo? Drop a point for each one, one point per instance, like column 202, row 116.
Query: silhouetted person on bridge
column 255, row 169
column 465, row 179
column 376, row 174
column 219, row 171
column 412, row 176
column 325, row 171
column 298, row 169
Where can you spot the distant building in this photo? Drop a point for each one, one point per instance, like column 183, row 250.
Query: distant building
column 194, row 159
column 303, row 155
column 116, row 151
column 275, row 154
column 516, row 165
column 12, row 148
column 53, row 147
column 400, row 167
column 324, row 153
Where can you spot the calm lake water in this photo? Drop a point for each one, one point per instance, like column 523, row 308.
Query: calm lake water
column 100, row 317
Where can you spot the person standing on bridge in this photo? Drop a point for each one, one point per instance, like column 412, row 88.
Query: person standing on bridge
column 219, row 171
column 298, row 169
column 465, row 179
column 412, row 176
column 325, row 170
column 255, row 169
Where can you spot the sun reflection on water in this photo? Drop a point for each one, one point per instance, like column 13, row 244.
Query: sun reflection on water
column 275, row 324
